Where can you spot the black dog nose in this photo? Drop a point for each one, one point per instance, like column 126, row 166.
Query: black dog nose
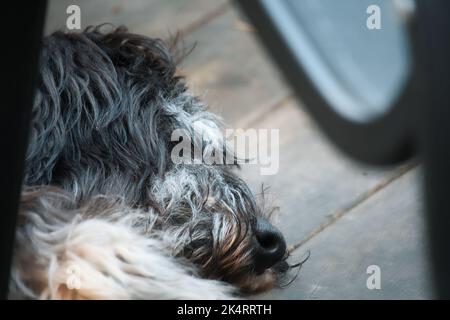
column 270, row 245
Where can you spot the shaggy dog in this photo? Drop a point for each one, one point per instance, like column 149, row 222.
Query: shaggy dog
column 105, row 213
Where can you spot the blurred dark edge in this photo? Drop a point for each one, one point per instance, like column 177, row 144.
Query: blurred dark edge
column 387, row 140
column 22, row 25
column 419, row 122
column 435, row 134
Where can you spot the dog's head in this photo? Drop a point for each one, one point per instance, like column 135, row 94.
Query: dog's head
column 105, row 111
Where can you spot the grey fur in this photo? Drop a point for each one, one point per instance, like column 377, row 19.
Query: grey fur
column 105, row 108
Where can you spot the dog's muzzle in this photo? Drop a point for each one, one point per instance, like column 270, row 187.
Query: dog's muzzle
column 270, row 246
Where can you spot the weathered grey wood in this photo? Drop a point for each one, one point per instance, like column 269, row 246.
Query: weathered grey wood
column 386, row 230
column 315, row 182
column 229, row 68
column 151, row 17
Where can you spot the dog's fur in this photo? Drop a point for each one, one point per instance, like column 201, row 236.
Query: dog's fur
column 103, row 204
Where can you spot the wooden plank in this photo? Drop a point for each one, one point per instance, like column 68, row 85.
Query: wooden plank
column 230, row 70
column 228, row 67
column 386, row 230
column 156, row 18
column 315, row 183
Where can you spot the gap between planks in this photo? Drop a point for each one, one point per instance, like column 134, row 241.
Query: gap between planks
column 259, row 115
column 204, row 20
column 364, row 197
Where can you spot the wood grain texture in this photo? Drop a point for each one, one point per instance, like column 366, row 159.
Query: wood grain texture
column 230, row 70
column 315, row 183
column 386, row 230
column 157, row 18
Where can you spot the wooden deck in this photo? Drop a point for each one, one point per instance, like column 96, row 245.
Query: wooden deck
column 347, row 215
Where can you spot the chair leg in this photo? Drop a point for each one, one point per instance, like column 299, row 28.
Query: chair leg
column 21, row 37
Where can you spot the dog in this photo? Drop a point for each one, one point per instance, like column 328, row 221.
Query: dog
column 104, row 212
